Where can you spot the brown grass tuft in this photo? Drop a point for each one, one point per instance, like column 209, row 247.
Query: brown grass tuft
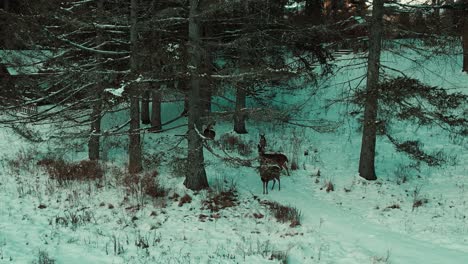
column 234, row 143
column 220, row 201
column 329, row 186
column 185, row 199
column 63, row 171
column 284, row 213
column 151, row 186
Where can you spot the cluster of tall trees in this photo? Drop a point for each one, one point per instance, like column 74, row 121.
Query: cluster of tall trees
column 150, row 49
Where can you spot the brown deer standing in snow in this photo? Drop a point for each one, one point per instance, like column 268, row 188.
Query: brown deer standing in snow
column 273, row 158
column 270, row 173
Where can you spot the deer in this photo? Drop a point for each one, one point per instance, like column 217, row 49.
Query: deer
column 270, row 173
column 209, row 132
column 273, row 158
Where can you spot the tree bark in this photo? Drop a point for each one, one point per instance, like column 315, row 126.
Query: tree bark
column 145, row 109
column 239, row 115
column 206, row 91
column 241, row 94
column 465, row 40
column 156, row 123
column 195, row 178
column 94, row 137
column 367, row 157
column 314, row 10
column 134, row 150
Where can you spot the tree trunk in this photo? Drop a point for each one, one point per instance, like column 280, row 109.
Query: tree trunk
column 93, row 142
column 361, row 8
column 186, row 104
column 134, row 150
column 94, row 137
column 367, row 158
column 313, row 10
column 465, row 41
column 206, row 91
column 145, row 112
column 241, row 94
column 239, row 115
column 195, row 178
column 206, row 95
column 156, row 123
column 435, row 16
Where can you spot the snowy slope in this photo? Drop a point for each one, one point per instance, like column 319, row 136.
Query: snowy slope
column 358, row 222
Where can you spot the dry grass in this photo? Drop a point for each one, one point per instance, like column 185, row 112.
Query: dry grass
column 329, row 187
column 63, row 171
column 281, row 256
column 234, row 143
column 185, row 199
column 151, row 186
column 220, row 201
column 143, row 185
column 284, row 213
column 43, row 258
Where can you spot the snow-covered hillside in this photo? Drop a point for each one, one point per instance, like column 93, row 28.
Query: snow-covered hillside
column 411, row 214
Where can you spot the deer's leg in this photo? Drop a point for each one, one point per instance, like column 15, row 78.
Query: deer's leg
column 279, row 185
column 266, row 186
column 273, row 184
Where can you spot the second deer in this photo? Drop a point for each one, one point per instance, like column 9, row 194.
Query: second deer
column 273, row 158
column 270, row 173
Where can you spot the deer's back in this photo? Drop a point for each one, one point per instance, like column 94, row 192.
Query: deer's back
column 275, row 157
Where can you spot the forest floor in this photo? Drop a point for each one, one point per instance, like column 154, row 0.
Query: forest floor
column 412, row 214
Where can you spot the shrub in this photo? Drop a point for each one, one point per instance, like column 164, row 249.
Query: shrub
column 281, row 256
column 179, row 167
column 244, row 149
column 185, row 199
column 223, row 184
column 417, row 200
column 43, row 258
column 294, row 165
column 220, row 201
column 151, row 186
column 229, row 141
column 22, row 162
column 329, row 187
column 393, row 206
column 64, row 171
column 234, row 143
column 284, row 213
column 141, row 185
column 74, row 219
column 151, row 161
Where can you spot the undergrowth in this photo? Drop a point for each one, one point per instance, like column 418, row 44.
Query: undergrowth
column 284, row 213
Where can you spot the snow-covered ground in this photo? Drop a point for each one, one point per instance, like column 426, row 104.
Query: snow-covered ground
column 358, row 222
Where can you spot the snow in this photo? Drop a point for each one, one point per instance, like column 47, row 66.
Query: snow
column 24, row 62
column 358, row 222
